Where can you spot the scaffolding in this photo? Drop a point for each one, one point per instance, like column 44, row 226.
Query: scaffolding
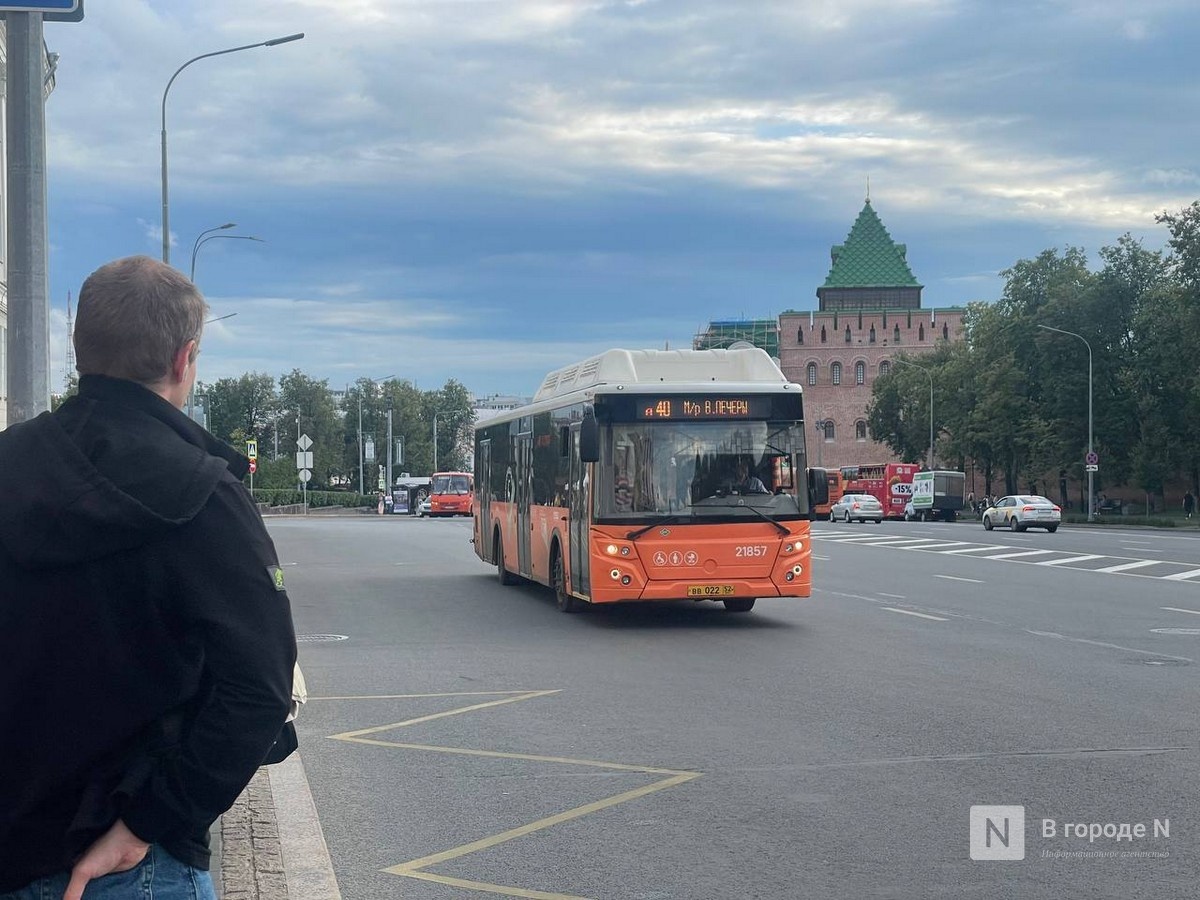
column 723, row 334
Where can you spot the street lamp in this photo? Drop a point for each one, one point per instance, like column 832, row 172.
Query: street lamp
column 905, row 362
column 820, row 425
column 166, row 212
column 1090, row 472
column 224, row 237
column 196, row 243
column 360, row 430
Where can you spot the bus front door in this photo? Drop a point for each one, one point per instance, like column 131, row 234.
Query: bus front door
column 577, row 525
column 483, row 488
column 524, row 490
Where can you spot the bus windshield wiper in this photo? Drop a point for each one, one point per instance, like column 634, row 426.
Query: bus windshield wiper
column 634, row 535
column 782, row 528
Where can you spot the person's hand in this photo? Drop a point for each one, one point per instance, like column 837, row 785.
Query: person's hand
column 117, row 850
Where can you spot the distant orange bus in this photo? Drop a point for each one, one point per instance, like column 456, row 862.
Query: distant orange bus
column 835, row 493
column 451, row 493
column 652, row 475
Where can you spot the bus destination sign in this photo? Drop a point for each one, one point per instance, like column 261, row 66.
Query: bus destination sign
column 718, row 407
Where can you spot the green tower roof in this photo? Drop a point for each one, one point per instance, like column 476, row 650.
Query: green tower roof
column 869, row 257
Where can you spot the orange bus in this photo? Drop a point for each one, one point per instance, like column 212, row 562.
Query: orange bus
column 651, row 475
column 451, row 493
column 834, row 495
column 889, row 483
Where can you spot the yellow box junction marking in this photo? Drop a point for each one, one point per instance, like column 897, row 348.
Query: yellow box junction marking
column 416, row 868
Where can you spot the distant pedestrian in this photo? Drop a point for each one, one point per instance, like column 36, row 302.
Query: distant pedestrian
column 146, row 642
column 1189, row 504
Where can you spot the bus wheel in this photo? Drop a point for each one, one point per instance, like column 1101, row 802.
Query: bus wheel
column 739, row 604
column 565, row 601
column 502, row 574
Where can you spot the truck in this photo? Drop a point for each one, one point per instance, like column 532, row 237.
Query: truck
column 936, row 494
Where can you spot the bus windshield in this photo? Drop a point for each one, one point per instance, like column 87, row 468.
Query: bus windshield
column 709, row 470
column 451, row 484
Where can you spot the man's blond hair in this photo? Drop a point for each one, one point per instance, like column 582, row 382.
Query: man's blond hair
column 134, row 316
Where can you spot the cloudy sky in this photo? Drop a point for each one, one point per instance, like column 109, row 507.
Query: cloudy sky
column 487, row 189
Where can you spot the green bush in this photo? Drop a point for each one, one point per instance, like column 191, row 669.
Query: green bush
column 316, row 499
column 1159, row 521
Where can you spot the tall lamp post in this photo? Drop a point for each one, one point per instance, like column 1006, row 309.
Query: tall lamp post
column 905, row 362
column 820, row 426
column 1090, row 472
column 214, row 237
column 360, row 429
column 166, row 212
column 196, row 243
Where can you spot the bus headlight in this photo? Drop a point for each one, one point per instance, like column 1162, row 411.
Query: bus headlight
column 797, row 569
column 615, row 574
column 611, row 549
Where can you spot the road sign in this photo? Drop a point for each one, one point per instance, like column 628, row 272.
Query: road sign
column 1091, row 468
column 252, row 450
column 1092, row 458
column 253, row 467
column 305, row 475
column 51, row 10
column 304, row 459
column 40, row 6
column 304, row 442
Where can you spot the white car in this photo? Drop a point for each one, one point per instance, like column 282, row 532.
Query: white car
column 1021, row 511
column 856, row 507
column 423, row 507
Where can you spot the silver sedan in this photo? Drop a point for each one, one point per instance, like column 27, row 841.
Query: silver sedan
column 1021, row 511
column 856, row 507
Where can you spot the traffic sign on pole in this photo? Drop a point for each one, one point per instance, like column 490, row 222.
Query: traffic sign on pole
column 252, row 450
column 1092, row 458
column 253, row 467
column 1091, row 467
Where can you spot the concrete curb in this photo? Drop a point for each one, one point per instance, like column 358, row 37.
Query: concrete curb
column 269, row 844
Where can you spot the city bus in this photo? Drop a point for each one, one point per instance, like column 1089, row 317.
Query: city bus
column 617, row 483
column 889, row 483
column 451, row 493
column 834, row 477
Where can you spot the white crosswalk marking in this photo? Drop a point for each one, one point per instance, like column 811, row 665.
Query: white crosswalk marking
column 1182, row 576
column 1125, row 567
column 1022, row 553
column 1069, row 559
column 1121, row 565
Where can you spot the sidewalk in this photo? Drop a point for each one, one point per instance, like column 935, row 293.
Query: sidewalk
column 269, row 844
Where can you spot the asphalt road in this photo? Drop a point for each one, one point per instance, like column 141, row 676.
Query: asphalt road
column 466, row 736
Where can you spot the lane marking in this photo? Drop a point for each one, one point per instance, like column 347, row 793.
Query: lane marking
column 1194, row 612
column 1137, row 564
column 909, row 612
column 1075, row 640
column 1022, row 553
column 893, row 596
column 1181, row 576
column 981, row 549
column 956, row 578
column 415, row 868
column 1071, row 559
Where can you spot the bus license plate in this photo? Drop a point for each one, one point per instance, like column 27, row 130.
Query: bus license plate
column 710, row 590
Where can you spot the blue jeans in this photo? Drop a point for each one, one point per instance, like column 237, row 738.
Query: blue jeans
column 159, row 876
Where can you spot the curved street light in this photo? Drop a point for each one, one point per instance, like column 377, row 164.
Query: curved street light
column 196, row 243
column 905, row 362
column 1090, row 472
column 166, row 215
column 213, row 237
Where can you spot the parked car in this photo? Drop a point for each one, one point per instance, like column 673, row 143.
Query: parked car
column 1021, row 511
column 424, row 507
column 858, row 507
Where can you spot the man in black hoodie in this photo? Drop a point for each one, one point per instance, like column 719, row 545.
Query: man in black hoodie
column 146, row 642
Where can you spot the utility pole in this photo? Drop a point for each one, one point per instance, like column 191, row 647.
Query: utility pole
column 435, row 465
column 389, row 448
column 28, row 297
column 360, row 446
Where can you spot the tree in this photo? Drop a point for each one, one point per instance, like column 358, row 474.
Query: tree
column 307, row 405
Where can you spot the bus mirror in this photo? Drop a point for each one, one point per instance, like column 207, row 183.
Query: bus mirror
column 818, row 487
column 589, row 438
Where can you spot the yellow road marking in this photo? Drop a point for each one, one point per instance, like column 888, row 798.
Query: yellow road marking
column 557, row 819
column 415, row 868
column 490, row 888
column 441, row 715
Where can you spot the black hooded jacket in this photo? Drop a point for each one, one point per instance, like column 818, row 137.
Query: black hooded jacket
column 146, row 642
